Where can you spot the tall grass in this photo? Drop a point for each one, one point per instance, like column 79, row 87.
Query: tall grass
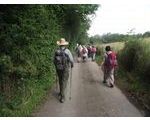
column 135, row 58
column 134, row 63
column 117, row 46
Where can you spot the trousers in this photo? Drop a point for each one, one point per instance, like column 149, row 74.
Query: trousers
column 63, row 76
column 109, row 75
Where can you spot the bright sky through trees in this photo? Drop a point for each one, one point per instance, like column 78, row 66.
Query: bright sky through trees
column 121, row 18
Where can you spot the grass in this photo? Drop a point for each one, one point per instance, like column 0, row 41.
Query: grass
column 31, row 96
column 116, row 46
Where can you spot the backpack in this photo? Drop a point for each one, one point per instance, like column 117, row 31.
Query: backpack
column 84, row 51
column 60, row 60
column 93, row 49
column 78, row 49
column 89, row 49
column 111, row 60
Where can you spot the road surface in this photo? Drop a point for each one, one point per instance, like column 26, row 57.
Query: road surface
column 89, row 97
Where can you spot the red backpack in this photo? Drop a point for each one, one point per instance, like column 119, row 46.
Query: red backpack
column 93, row 49
column 84, row 51
column 111, row 60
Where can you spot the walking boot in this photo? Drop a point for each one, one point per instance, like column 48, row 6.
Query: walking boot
column 104, row 81
column 111, row 85
column 62, row 99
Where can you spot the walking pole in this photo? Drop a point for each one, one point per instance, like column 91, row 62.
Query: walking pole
column 56, row 82
column 70, row 83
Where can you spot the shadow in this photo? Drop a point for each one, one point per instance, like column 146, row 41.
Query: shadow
column 94, row 81
column 55, row 94
column 106, row 84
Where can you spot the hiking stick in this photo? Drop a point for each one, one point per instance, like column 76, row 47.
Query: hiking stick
column 56, row 82
column 70, row 83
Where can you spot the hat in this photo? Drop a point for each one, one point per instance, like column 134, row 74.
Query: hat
column 62, row 41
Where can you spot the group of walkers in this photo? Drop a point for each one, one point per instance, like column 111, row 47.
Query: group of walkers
column 84, row 52
column 63, row 57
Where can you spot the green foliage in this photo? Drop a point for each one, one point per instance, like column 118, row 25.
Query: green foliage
column 74, row 19
column 28, row 35
column 133, row 74
column 129, row 53
column 146, row 34
column 26, row 48
column 99, row 54
column 135, row 58
column 109, row 37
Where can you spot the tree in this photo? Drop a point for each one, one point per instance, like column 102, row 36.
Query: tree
column 146, row 34
column 74, row 19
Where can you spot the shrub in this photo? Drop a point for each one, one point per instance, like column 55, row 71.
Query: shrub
column 135, row 57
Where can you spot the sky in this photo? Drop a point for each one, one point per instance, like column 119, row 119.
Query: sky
column 121, row 18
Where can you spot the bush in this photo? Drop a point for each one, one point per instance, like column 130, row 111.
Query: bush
column 135, row 57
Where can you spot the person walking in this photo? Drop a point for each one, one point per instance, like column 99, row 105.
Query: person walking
column 62, row 58
column 78, row 51
column 89, row 48
column 108, row 65
column 84, row 53
column 93, row 50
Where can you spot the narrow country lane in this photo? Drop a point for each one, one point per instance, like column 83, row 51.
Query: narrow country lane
column 89, row 97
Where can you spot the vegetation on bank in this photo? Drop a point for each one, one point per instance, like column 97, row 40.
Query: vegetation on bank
column 28, row 35
column 135, row 68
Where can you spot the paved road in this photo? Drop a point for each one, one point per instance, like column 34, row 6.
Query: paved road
column 89, row 97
